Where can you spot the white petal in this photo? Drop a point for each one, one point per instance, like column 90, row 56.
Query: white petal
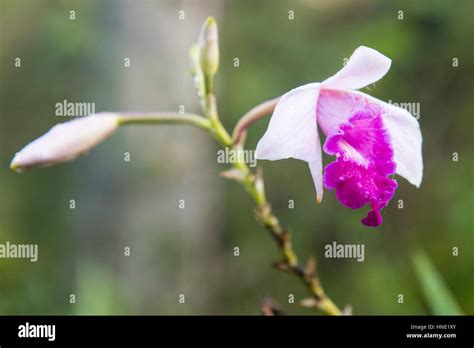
column 293, row 132
column 406, row 137
column 66, row 141
column 364, row 67
column 316, row 168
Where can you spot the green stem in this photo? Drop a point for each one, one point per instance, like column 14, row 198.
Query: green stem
column 253, row 184
column 209, row 108
column 164, row 118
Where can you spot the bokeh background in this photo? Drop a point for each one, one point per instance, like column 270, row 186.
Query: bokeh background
column 190, row 251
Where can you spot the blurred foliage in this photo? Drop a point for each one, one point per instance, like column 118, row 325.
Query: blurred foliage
column 275, row 55
column 435, row 291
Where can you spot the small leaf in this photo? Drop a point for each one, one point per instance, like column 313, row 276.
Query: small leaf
column 308, row 302
column 270, row 307
column 282, row 266
column 310, row 267
column 233, row 174
column 347, row 310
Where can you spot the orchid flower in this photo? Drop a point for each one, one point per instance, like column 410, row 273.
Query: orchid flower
column 370, row 139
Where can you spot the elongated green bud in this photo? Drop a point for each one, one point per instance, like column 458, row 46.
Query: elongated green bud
column 209, row 48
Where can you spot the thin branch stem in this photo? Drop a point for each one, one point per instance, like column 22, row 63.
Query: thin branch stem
column 240, row 130
column 253, row 183
column 209, row 107
column 164, row 118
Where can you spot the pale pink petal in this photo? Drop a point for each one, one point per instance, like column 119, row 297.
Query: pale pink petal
column 336, row 106
column 293, row 133
column 407, row 141
column 66, row 141
column 364, row 67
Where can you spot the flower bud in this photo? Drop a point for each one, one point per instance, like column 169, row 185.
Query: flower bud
column 66, row 141
column 209, row 47
column 195, row 61
column 196, row 70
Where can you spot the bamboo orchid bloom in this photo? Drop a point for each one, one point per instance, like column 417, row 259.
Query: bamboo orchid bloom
column 370, row 139
column 66, row 141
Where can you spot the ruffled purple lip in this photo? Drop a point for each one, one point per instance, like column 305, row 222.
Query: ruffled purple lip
column 364, row 161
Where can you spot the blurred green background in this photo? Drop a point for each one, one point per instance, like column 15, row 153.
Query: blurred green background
column 190, row 251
